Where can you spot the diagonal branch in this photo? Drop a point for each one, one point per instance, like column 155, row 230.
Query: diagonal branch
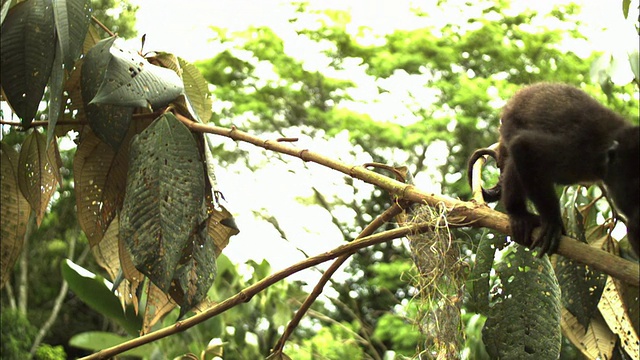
column 246, row 294
column 460, row 213
column 386, row 216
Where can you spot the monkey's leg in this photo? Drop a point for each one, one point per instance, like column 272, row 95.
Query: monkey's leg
column 521, row 221
column 538, row 160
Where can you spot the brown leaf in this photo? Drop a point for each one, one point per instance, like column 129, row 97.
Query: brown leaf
column 14, row 212
column 38, row 171
column 100, row 176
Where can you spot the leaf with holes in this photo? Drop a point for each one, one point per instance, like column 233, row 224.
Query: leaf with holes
column 14, row 212
column 110, row 123
column 196, row 270
column 100, row 177
column 38, row 172
column 164, row 198
column 130, row 80
column 26, row 55
column 197, row 90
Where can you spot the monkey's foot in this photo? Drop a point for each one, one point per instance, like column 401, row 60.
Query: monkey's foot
column 549, row 238
column 521, row 227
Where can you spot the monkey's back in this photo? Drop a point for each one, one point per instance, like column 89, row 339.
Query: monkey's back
column 571, row 117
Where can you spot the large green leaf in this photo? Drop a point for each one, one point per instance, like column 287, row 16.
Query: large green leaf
column 164, row 200
column 26, row 54
column 72, row 23
column 196, row 271
column 38, row 172
column 130, row 80
column 72, row 19
column 581, row 285
column 110, row 123
column 14, row 212
column 524, row 321
column 95, row 291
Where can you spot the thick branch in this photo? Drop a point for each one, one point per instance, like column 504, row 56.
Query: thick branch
column 460, row 213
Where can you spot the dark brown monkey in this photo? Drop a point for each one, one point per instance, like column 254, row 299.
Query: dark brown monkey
column 557, row 134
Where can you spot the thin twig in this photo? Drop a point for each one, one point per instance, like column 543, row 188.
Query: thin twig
column 386, row 216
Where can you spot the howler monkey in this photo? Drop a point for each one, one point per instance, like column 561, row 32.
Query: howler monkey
column 557, row 134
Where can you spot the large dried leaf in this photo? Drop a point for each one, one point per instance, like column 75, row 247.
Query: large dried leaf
column 164, row 198
column 221, row 227
column 107, row 255
column 130, row 80
column 38, row 172
column 595, row 342
column 110, row 123
column 100, row 177
column 617, row 315
column 26, row 55
column 159, row 304
column 14, row 212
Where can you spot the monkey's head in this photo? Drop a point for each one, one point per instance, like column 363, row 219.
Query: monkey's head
column 623, row 178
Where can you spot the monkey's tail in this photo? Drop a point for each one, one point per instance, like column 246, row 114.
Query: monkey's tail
column 491, row 194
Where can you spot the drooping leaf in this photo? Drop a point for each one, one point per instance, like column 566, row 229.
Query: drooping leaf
column 100, row 177
column 56, row 82
column 478, row 284
column 164, row 198
column 220, row 229
column 110, row 123
column 107, row 255
column 72, row 18
column 524, row 322
column 581, row 285
column 196, row 271
column 26, row 54
column 130, row 80
column 4, row 9
column 14, row 212
column 94, row 291
column 159, row 304
column 38, row 172
column 197, row 90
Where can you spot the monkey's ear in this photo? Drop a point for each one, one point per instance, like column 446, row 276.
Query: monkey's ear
column 611, row 152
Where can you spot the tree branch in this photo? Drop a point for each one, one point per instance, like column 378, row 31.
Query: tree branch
column 246, row 294
column 386, row 216
column 460, row 213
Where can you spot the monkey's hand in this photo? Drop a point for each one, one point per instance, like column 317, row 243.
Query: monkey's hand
column 522, row 226
column 549, row 237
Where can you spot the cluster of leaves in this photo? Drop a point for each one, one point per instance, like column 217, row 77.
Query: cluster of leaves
column 144, row 190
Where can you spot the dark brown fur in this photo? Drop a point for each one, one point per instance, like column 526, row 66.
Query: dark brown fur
column 557, row 134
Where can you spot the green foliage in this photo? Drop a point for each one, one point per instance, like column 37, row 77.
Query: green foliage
column 48, row 352
column 398, row 332
column 335, row 341
column 119, row 16
column 17, row 334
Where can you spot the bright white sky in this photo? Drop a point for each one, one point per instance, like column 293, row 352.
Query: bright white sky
column 183, row 29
